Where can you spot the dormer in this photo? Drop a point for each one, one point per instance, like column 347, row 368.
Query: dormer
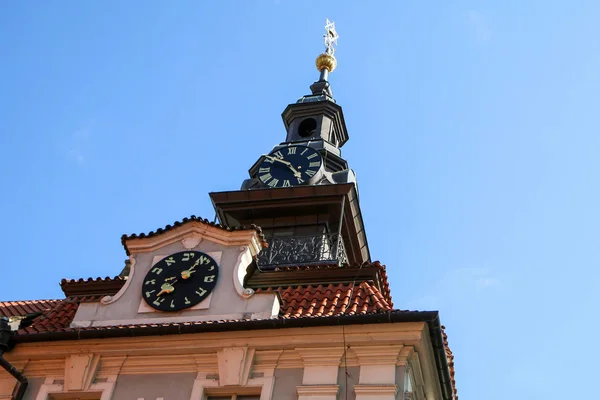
column 190, row 271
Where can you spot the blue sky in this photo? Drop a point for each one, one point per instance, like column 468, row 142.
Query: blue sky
column 473, row 132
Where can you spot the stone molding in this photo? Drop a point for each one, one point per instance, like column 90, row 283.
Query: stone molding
column 404, row 355
column 203, row 386
column 377, row 364
column 321, row 356
column 375, row 392
column 377, row 355
column 53, row 386
column 317, row 392
column 320, row 364
column 80, row 371
column 416, row 375
column 194, row 232
column 234, row 365
column 266, row 360
column 200, row 344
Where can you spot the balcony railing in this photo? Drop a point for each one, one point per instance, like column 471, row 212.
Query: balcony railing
column 303, row 250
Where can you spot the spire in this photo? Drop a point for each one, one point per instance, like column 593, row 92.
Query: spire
column 326, row 61
column 316, row 116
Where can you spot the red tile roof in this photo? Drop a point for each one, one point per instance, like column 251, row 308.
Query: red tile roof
column 22, row 308
column 374, row 271
column 305, row 301
column 299, row 301
column 311, row 301
column 58, row 318
column 80, row 287
column 330, row 300
column 450, row 358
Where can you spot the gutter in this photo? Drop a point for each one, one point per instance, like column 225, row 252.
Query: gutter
column 394, row 316
column 5, row 336
column 441, row 361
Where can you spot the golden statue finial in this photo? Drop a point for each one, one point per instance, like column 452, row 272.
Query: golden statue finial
column 326, row 60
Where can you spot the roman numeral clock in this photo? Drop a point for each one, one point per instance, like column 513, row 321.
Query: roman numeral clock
column 290, row 166
column 180, row 281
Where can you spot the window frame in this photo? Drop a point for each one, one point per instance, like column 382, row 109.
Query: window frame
column 261, row 387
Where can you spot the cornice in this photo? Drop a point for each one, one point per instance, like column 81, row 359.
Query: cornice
column 405, row 354
column 196, row 229
column 373, row 390
column 317, row 390
column 90, row 287
column 377, row 355
column 409, row 333
column 267, row 359
column 321, row 356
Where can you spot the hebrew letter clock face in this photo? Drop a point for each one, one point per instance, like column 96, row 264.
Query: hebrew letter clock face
column 180, row 280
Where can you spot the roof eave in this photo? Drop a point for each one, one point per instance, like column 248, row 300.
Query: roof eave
column 394, row 316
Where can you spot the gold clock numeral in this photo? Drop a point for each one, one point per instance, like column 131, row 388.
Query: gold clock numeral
column 264, row 170
column 210, row 278
column 291, row 150
column 200, row 291
column 265, row 177
column 300, row 180
column 310, row 172
column 172, row 303
column 278, row 154
column 157, row 270
column 304, row 151
column 187, row 256
column 158, row 301
column 149, row 293
column 150, row 282
column 170, row 261
column 314, row 164
column 211, row 268
column 274, row 182
column 204, row 260
column 286, row 183
column 187, row 301
column 313, row 155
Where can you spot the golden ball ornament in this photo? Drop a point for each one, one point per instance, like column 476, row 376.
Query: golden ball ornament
column 326, row 60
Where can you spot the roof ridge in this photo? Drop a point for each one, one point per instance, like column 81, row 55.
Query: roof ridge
column 189, row 219
column 26, row 301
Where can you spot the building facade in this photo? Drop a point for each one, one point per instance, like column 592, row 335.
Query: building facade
column 279, row 300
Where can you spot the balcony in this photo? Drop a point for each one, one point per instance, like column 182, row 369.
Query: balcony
column 303, row 250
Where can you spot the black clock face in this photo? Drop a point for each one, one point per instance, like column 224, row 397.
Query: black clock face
column 180, row 280
column 290, row 166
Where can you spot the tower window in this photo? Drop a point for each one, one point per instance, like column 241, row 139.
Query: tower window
column 307, row 127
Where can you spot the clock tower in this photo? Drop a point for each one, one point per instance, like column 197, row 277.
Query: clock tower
column 302, row 193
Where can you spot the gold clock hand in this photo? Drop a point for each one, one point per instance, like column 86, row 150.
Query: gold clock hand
column 289, row 165
column 186, row 273
column 166, row 288
column 278, row 159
